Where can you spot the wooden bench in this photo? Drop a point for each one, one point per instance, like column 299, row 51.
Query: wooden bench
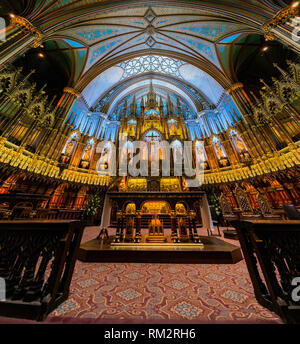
column 272, row 252
column 37, row 260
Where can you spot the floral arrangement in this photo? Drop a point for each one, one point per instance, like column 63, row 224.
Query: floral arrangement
column 214, row 200
column 92, row 206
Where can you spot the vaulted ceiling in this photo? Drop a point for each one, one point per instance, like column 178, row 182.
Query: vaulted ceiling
column 88, row 40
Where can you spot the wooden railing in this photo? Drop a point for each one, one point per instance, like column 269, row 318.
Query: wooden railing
column 59, row 214
column 37, row 260
column 20, row 206
column 23, row 213
column 272, row 253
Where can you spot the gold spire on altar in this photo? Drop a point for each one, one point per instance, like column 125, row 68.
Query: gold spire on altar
column 151, row 98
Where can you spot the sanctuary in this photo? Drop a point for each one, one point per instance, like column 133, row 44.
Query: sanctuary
column 149, row 160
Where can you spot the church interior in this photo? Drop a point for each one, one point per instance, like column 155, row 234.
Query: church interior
column 84, row 241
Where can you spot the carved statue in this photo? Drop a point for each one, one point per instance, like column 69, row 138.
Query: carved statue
column 131, row 130
column 240, row 145
column 87, row 153
column 219, row 151
column 69, row 147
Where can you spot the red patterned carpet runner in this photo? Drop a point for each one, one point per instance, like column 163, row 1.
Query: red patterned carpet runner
column 162, row 291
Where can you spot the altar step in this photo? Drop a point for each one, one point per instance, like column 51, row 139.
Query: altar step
column 156, row 239
column 210, row 251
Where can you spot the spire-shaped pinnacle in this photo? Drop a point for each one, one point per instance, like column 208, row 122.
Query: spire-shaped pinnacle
column 254, row 97
column 265, row 84
column 151, row 97
column 284, row 73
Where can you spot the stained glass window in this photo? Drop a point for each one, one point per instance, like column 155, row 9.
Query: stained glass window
column 151, row 63
column 152, row 136
column 152, row 114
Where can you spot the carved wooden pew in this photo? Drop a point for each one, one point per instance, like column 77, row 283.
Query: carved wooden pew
column 272, row 252
column 37, row 260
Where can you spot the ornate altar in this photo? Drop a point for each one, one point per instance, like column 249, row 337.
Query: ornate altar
column 158, row 227
column 157, row 212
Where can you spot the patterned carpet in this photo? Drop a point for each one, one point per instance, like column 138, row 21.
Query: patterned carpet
column 162, row 291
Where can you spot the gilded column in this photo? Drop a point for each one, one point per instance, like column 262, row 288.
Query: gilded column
column 62, row 109
column 21, row 35
column 245, row 106
column 253, row 148
column 225, row 140
column 284, row 26
column 240, row 98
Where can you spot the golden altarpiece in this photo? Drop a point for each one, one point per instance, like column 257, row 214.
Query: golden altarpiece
column 155, row 204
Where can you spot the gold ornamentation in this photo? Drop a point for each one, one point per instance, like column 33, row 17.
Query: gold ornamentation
column 71, row 90
column 234, row 87
column 24, row 24
column 280, row 18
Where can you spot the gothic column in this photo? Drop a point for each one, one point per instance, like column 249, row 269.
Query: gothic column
column 226, row 142
column 60, row 130
column 284, row 27
column 66, row 103
column 29, row 133
column 245, row 106
column 240, row 98
column 21, row 35
column 253, row 148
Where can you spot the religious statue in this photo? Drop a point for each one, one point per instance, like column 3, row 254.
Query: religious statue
column 180, row 209
column 131, row 208
column 173, row 127
column 69, row 147
column 87, row 153
column 219, row 151
column 131, row 130
column 240, row 145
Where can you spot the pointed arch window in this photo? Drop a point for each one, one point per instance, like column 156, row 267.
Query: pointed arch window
column 151, row 63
